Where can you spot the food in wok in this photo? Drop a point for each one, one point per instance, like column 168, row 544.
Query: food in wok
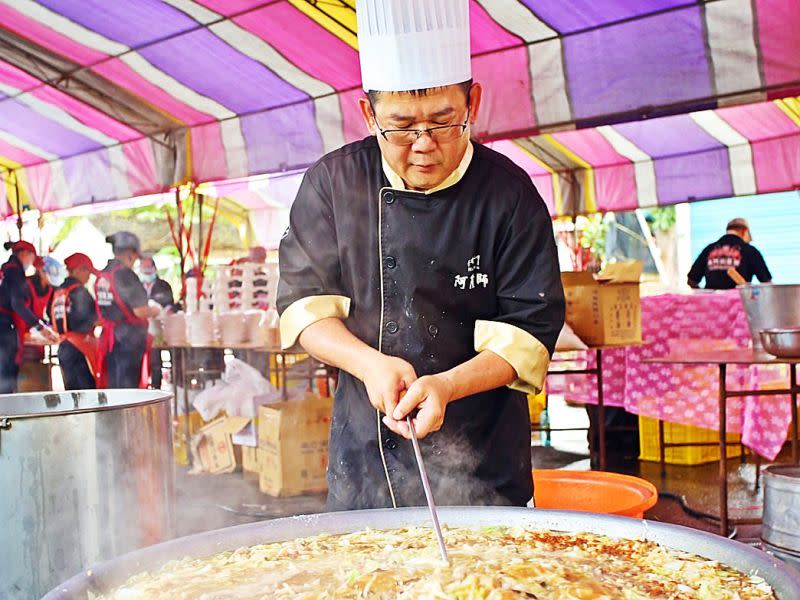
column 490, row 563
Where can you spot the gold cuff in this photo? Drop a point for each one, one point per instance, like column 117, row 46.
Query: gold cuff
column 527, row 355
column 307, row 311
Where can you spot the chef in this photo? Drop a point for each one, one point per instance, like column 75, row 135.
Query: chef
column 123, row 308
column 423, row 266
column 73, row 313
column 159, row 291
column 16, row 313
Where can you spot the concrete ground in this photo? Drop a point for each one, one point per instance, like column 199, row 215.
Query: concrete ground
column 689, row 495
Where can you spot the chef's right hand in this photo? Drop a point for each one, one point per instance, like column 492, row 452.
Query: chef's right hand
column 385, row 379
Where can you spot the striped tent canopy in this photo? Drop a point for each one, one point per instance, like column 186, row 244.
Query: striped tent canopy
column 608, row 104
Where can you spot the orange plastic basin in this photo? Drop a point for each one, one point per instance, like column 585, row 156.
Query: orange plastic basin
column 593, row 491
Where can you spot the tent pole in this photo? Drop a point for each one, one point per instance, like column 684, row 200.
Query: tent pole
column 17, row 202
column 200, row 199
column 651, row 245
column 181, row 256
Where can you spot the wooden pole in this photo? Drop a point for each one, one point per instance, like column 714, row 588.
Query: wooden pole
column 179, row 243
column 18, row 204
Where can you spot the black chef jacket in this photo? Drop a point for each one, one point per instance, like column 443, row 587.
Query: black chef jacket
column 433, row 278
column 728, row 251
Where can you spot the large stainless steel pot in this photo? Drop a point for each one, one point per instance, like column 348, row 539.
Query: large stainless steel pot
column 84, row 477
column 784, row 580
column 770, row 306
column 781, row 530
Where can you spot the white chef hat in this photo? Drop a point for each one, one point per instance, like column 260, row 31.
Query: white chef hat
column 413, row 44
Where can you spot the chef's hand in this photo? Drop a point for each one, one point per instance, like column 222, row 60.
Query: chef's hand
column 431, row 395
column 385, row 379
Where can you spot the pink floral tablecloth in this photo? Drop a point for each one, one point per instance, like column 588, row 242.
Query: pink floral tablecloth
column 674, row 323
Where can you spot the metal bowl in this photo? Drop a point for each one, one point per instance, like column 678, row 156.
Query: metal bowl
column 784, row 580
column 783, row 343
column 768, row 306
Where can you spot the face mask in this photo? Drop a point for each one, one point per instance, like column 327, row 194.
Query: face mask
column 149, row 277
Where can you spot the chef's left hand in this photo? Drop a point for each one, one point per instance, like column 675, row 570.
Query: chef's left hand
column 431, row 395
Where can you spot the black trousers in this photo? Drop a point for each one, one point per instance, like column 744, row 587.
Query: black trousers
column 124, row 362
column 77, row 375
column 155, row 368
column 9, row 369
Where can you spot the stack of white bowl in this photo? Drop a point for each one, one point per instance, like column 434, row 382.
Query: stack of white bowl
column 233, row 328
column 254, row 318
column 201, row 328
column 271, row 328
column 175, row 329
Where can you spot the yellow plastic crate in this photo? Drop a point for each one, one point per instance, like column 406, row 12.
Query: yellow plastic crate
column 675, row 433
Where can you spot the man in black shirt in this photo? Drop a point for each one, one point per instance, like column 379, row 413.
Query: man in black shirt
column 732, row 252
column 123, row 307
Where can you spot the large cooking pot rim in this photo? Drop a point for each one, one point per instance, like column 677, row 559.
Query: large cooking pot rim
column 787, row 473
column 784, row 580
column 51, row 404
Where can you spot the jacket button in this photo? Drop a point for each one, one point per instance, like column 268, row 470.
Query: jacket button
column 391, row 263
column 392, row 327
column 433, row 330
column 390, row 443
column 388, row 197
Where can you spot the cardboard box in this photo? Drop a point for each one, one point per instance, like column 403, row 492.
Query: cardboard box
column 252, row 458
column 605, row 310
column 179, row 450
column 212, row 448
column 293, row 446
column 34, row 377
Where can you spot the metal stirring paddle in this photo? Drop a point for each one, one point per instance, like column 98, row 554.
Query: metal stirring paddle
column 427, row 487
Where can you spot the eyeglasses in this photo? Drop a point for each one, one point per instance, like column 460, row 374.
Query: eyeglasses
column 406, row 137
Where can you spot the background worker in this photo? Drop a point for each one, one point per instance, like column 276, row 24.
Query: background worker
column 123, row 308
column 16, row 313
column 160, row 291
column 73, row 314
column 730, row 261
column 40, row 288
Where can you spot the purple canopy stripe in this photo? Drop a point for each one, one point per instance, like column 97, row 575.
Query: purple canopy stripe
column 610, row 104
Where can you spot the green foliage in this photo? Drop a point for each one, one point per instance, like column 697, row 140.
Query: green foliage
column 593, row 235
column 661, row 218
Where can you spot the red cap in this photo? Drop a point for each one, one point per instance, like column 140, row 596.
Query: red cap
column 20, row 246
column 73, row 261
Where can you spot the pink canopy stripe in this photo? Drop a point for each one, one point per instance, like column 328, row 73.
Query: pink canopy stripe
column 505, row 75
column 775, row 141
column 43, row 188
column 141, row 167
column 11, row 153
column 542, row 178
column 614, row 177
column 779, row 41
column 233, row 7
column 328, row 58
column 84, row 113
column 44, row 36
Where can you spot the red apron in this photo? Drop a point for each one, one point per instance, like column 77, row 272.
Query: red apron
column 39, row 303
column 104, row 287
column 19, row 323
column 86, row 343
